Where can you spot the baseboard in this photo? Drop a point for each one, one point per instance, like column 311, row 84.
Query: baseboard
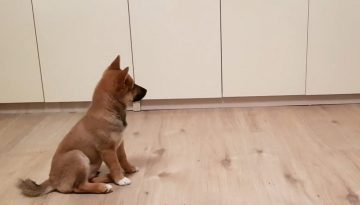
column 44, row 107
column 250, row 102
column 189, row 103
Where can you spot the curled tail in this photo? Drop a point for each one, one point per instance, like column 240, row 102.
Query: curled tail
column 29, row 188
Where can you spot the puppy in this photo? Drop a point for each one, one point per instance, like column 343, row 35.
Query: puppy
column 97, row 137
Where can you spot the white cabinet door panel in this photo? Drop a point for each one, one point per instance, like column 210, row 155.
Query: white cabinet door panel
column 334, row 47
column 20, row 79
column 77, row 41
column 264, row 47
column 176, row 46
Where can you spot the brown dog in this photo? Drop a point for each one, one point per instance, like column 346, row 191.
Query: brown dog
column 97, row 137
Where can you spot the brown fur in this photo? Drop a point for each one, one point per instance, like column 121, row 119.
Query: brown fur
column 97, row 137
column 30, row 188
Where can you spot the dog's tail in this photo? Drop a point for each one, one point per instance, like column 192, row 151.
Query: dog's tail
column 29, row 188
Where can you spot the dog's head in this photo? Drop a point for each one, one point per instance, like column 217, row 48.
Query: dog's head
column 118, row 84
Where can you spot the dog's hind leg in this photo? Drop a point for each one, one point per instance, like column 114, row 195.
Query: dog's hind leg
column 70, row 173
column 68, row 170
column 94, row 170
column 96, row 188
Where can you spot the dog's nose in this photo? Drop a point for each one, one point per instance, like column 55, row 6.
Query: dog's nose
column 144, row 91
column 140, row 94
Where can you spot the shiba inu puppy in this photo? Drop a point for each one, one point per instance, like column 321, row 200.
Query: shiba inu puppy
column 96, row 138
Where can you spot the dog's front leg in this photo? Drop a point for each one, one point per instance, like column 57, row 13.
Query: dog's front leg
column 111, row 160
column 128, row 168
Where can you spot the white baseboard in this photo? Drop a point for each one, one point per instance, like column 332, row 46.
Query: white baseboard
column 189, row 103
column 11, row 108
column 249, row 102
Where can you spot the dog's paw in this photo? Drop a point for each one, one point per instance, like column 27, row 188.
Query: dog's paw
column 124, row 181
column 108, row 188
column 132, row 170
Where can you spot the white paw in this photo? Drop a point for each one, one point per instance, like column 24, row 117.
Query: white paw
column 108, row 188
column 124, row 181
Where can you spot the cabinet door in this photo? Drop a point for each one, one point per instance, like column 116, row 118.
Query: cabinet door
column 176, row 47
column 334, row 47
column 20, row 79
column 77, row 41
column 264, row 47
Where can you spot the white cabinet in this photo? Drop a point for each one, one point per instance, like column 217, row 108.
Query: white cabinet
column 334, row 47
column 77, row 41
column 264, row 47
column 176, row 47
column 20, row 79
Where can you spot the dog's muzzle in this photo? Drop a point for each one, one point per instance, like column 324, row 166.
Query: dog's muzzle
column 140, row 93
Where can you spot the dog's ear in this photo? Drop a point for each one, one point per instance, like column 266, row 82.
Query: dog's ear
column 124, row 74
column 115, row 65
column 125, row 71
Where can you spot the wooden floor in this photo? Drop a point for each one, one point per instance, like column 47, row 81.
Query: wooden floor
column 256, row 156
